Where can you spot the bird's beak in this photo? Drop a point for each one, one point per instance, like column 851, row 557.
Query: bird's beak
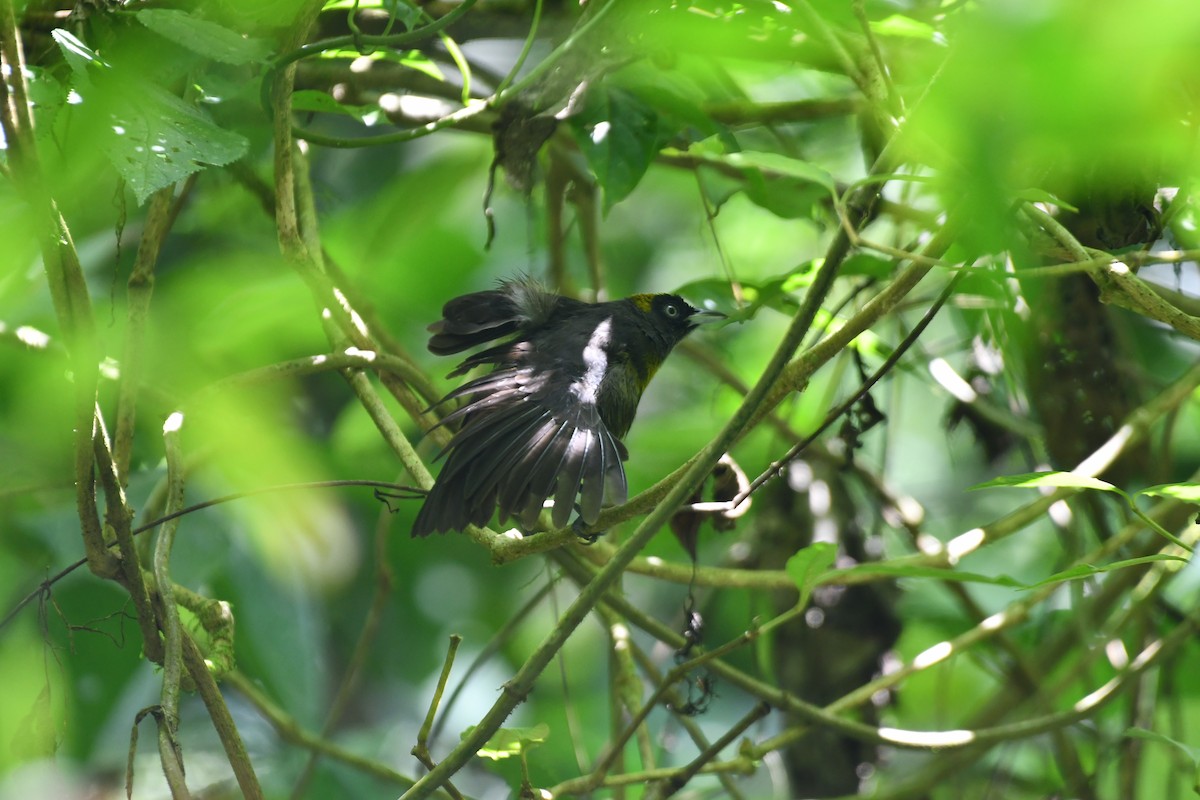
column 706, row 316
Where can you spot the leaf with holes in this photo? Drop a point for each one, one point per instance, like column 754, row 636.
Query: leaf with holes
column 157, row 139
column 151, row 136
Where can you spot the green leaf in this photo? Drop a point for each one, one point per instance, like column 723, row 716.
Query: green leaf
column 1192, row 754
column 808, row 565
column 1086, row 570
column 1188, row 492
column 508, row 742
column 206, row 38
column 1056, row 480
column 158, row 139
column 907, row 27
column 151, row 136
column 77, row 54
column 323, row 102
column 618, row 134
column 711, row 293
column 784, row 166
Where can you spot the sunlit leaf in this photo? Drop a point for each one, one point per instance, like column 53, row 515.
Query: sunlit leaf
column 1053, row 480
column 1189, row 492
column 1086, row 570
column 900, row 25
column 508, row 742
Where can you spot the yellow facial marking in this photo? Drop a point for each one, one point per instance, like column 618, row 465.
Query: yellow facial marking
column 642, row 301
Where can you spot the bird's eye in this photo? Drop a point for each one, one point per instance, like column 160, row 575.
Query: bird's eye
column 671, row 310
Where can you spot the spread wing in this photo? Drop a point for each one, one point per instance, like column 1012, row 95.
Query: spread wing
column 527, row 436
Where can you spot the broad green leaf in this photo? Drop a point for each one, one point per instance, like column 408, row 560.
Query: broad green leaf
column 808, row 565
column 1189, row 752
column 315, row 100
column 77, row 54
column 507, row 742
column 204, row 37
column 1055, row 480
column 158, row 139
column 784, row 196
column 1189, row 492
column 783, row 165
column 618, row 134
column 709, row 293
column 152, row 137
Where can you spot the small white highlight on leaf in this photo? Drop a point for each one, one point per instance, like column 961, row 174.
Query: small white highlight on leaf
column 600, row 132
column 174, row 422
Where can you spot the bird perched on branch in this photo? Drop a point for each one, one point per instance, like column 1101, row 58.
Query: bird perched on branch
column 548, row 420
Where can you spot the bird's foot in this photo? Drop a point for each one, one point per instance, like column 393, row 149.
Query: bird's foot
column 586, row 535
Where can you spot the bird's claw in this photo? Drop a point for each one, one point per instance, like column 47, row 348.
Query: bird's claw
column 586, row 536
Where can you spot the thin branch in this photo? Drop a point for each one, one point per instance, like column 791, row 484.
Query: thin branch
column 169, row 750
